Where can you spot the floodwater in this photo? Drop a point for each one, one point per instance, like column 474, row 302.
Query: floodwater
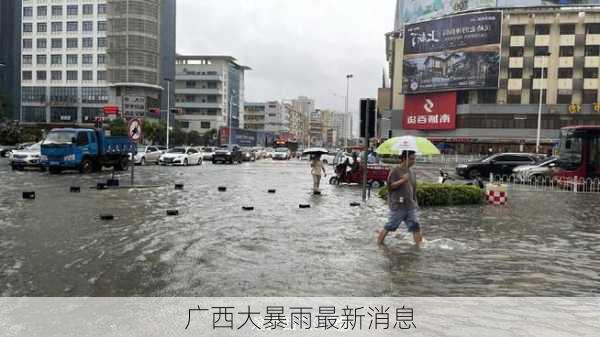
column 541, row 244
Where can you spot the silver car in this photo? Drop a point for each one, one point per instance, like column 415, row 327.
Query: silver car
column 27, row 157
column 147, row 154
column 537, row 173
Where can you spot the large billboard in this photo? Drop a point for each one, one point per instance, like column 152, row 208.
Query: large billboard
column 430, row 111
column 458, row 52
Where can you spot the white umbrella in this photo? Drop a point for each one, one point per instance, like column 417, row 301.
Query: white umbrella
column 315, row 150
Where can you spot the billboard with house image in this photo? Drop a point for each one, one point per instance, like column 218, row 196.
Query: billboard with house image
column 460, row 52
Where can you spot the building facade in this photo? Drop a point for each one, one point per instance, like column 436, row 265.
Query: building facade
column 79, row 57
column 276, row 118
column 304, row 105
column 298, row 124
column 540, row 58
column 341, row 125
column 254, row 116
column 209, row 92
column 10, row 58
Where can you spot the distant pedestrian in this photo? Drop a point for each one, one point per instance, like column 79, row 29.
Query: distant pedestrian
column 316, row 168
column 402, row 199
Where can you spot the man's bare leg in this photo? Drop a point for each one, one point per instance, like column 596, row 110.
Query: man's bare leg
column 381, row 236
column 418, row 237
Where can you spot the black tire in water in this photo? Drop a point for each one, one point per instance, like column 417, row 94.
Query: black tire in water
column 54, row 170
column 86, row 166
column 474, row 173
column 333, row 181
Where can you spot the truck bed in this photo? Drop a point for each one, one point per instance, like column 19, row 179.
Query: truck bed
column 117, row 145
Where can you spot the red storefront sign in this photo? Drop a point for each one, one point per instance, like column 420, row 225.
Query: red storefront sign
column 110, row 110
column 430, row 111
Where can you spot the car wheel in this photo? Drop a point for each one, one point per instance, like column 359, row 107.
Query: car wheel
column 199, row 161
column 86, row 166
column 333, row 181
column 473, row 173
column 185, row 162
column 54, row 170
column 537, row 179
column 375, row 184
column 143, row 161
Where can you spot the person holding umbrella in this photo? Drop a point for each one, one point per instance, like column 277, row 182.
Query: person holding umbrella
column 316, row 165
column 402, row 184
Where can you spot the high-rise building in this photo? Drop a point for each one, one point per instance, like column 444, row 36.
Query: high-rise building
column 80, row 56
column 209, row 92
column 304, row 105
column 277, row 119
column 341, row 125
column 10, row 57
column 254, row 115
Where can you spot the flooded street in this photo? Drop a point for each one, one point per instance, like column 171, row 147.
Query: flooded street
column 541, row 244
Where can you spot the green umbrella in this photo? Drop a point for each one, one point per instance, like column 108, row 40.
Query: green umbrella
column 395, row 146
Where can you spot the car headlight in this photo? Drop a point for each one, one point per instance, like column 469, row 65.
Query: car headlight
column 69, row 157
column 463, row 166
column 228, row 153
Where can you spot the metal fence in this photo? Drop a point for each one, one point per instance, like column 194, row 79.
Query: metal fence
column 548, row 184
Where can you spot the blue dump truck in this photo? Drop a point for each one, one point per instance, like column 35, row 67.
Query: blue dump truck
column 86, row 150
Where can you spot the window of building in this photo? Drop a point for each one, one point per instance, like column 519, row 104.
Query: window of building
column 88, row 9
column 592, row 28
column 41, row 43
column 72, row 59
column 87, row 26
column 590, row 96
column 102, row 9
column 56, row 43
column 56, row 59
column 542, row 29
column 567, row 29
column 57, row 10
column 27, row 43
column 205, row 125
column 27, row 28
column 57, row 27
column 190, row 84
column 564, row 99
column 534, row 97
column 537, row 72
column 94, row 95
column 590, row 72
column 89, row 115
column 101, row 42
column 56, row 75
column 42, row 27
column 71, row 75
column 516, row 51
column 87, row 75
column 565, row 72
column 514, row 97
column 87, row 42
column 101, row 26
column 515, row 73
column 184, row 125
column 40, row 75
column 486, row 96
column 592, row 50
column 540, row 51
column 27, row 11
column 72, row 26
column 462, row 97
column 101, row 75
column 34, row 114
column 64, row 114
column 72, row 43
column 517, row 30
column 87, row 59
column 42, row 10
column 41, row 59
column 26, row 75
column 27, row 59
column 567, row 51
column 72, row 10
column 101, row 58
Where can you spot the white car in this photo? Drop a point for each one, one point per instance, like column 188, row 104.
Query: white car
column 537, row 173
column 27, row 157
column 281, row 153
column 147, row 154
column 181, row 156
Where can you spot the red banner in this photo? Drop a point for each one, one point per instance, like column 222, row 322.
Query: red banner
column 430, row 111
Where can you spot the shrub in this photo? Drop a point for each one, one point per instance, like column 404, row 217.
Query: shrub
column 433, row 194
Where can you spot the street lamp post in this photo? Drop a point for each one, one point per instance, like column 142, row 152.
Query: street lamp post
column 348, row 77
column 168, row 108
column 539, row 119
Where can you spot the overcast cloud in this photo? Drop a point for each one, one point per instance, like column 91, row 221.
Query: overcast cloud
column 301, row 47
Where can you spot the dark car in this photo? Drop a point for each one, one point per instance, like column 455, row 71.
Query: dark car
column 248, row 154
column 498, row 164
column 229, row 153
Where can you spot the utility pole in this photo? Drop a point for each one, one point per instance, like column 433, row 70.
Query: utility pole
column 348, row 77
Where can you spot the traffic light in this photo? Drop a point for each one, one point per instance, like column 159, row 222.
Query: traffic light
column 367, row 108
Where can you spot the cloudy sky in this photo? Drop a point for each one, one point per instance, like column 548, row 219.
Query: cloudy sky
column 302, row 47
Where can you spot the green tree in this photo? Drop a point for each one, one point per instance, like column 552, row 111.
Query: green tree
column 117, row 127
column 194, row 138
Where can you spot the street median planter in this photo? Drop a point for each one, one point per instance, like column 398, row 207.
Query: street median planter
column 433, row 194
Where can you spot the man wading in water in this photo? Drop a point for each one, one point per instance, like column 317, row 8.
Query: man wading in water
column 402, row 199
